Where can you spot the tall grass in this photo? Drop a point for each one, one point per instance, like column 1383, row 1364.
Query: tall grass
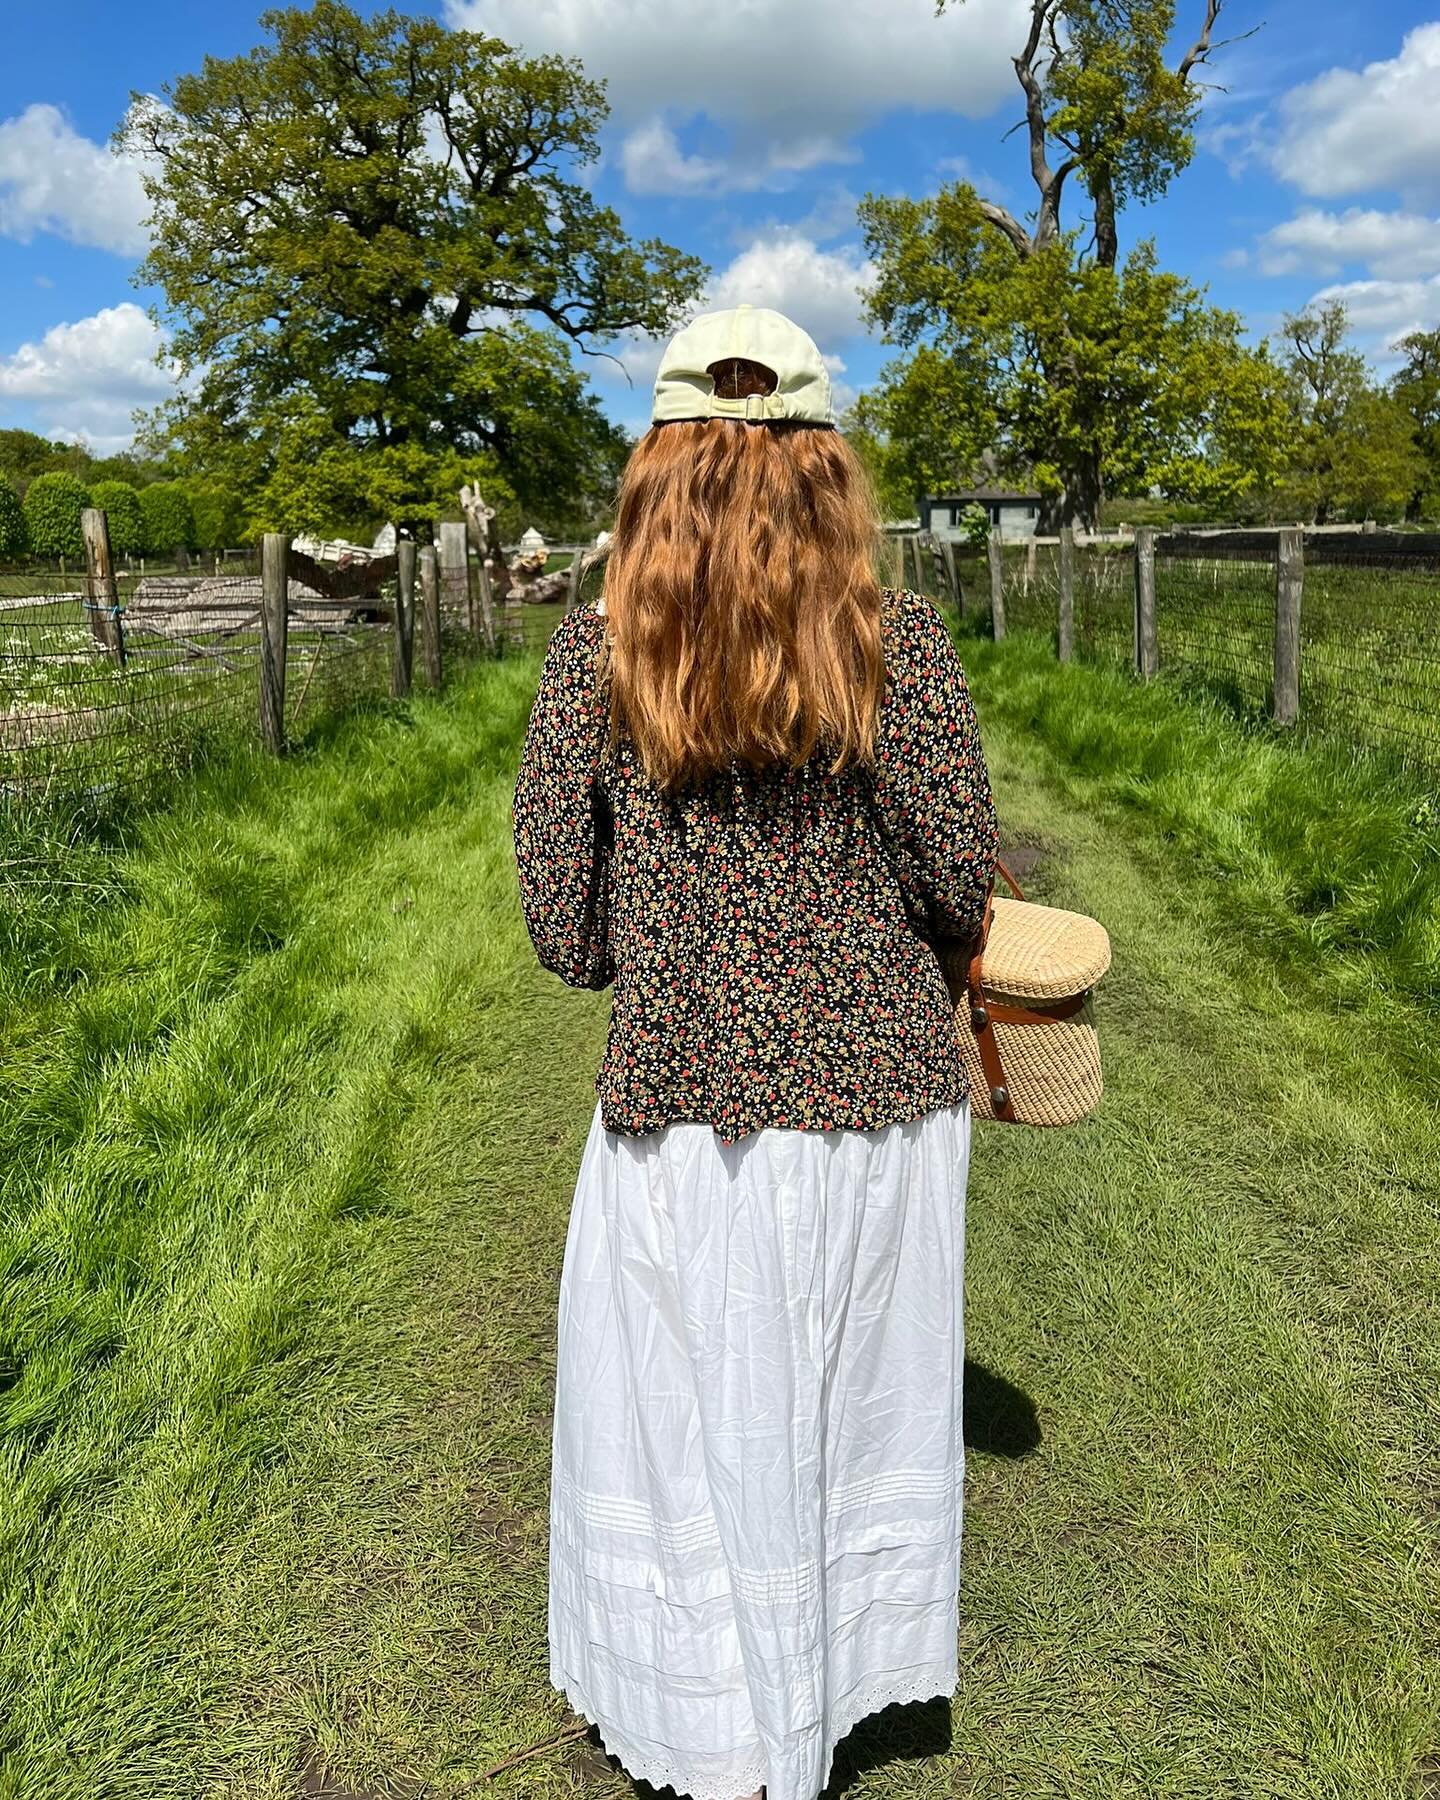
column 1328, row 855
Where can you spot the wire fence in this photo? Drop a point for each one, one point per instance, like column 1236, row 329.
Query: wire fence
column 112, row 683
column 82, row 725
column 1338, row 632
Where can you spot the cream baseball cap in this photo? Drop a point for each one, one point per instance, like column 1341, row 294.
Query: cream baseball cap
column 684, row 388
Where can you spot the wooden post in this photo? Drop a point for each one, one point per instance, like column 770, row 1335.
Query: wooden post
column 480, row 526
column 572, row 586
column 997, row 584
column 403, row 642
column 430, row 615
column 274, row 633
column 937, row 565
column 1067, row 594
column 514, row 616
column 455, row 572
column 100, row 590
column 1147, row 644
column 957, row 592
column 897, row 561
column 1289, row 586
column 912, row 540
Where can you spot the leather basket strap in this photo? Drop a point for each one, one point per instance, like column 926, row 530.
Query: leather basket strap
column 980, row 1024
column 1048, row 1014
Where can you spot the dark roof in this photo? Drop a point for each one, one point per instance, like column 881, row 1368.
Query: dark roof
column 988, row 490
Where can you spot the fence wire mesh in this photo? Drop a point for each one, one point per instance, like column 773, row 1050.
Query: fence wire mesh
column 1369, row 626
column 1370, row 657
column 1216, row 625
column 95, row 705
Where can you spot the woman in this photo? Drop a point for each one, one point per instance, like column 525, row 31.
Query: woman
column 752, row 796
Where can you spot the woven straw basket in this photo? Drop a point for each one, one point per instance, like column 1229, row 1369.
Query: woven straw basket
column 1025, row 1014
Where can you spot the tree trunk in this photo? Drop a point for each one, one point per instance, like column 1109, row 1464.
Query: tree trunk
column 1107, row 236
column 1084, row 492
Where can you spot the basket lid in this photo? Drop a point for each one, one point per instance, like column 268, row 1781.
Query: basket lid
column 1042, row 952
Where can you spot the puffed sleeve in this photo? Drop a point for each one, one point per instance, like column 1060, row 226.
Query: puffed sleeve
column 562, row 823
column 932, row 787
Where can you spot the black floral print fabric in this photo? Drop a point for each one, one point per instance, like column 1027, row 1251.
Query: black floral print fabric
column 769, row 933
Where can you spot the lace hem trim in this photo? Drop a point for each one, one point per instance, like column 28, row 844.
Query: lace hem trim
column 743, row 1776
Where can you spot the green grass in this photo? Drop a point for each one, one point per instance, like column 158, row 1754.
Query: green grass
column 1370, row 636
column 291, row 1126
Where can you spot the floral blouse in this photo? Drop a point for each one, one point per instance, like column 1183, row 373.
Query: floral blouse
column 770, row 933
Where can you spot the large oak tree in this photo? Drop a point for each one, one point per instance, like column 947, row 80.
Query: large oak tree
column 1030, row 338
column 375, row 257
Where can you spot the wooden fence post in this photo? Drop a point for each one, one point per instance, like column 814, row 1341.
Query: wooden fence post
column 997, row 584
column 430, row 615
column 897, row 561
column 572, row 586
column 455, row 595
column 103, row 596
column 487, row 599
column 403, row 642
column 918, row 564
column 957, row 592
column 1147, row 644
column 274, row 634
column 514, row 617
column 1289, row 586
column 1067, row 594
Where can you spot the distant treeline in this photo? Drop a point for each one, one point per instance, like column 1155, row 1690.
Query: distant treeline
column 45, row 486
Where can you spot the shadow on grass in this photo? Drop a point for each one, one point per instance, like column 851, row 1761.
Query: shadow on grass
column 1000, row 1418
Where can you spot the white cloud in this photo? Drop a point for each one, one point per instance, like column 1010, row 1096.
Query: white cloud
column 791, row 78
column 53, row 179
column 83, row 379
column 1350, row 131
column 654, row 163
column 819, row 289
column 1381, row 312
column 1393, row 245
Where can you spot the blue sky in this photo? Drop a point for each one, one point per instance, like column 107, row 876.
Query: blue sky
column 746, row 133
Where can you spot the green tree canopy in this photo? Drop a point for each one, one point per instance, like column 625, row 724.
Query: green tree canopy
column 123, row 516
column 169, row 523
column 1416, row 388
column 1088, row 379
column 348, row 222
column 53, row 505
column 26, row 454
column 220, row 518
column 14, row 536
column 1103, row 106
column 1353, row 447
column 1028, row 342
column 892, row 491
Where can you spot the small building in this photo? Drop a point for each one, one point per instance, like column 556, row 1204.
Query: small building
column 1015, row 512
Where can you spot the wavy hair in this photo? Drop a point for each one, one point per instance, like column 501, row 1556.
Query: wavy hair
column 741, row 598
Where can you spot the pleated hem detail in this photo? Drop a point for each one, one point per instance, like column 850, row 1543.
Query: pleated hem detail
column 750, row 1770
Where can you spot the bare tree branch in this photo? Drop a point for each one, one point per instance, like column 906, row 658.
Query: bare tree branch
column 1200, row 49
column 1008, row 223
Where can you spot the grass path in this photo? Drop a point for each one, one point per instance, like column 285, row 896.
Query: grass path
column 290, row 1127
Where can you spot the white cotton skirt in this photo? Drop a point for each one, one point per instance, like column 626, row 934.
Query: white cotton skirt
column 757, row 1458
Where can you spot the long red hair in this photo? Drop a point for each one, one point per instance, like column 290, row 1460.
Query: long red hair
column 741, row 598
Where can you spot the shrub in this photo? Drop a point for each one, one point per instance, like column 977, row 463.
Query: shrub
column 53, row 505
column 123, row 514
column 169, row 522
column 14, row 538
column 220, row 521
